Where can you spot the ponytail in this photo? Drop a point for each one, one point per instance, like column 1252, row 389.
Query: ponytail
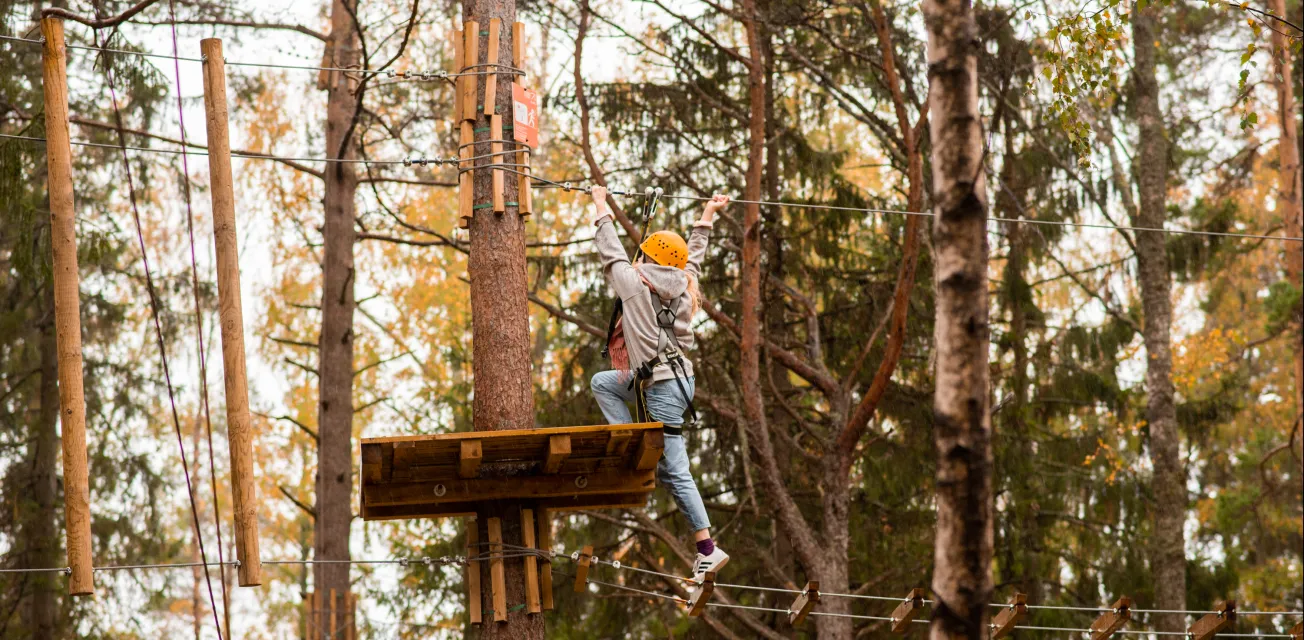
column 694, row 292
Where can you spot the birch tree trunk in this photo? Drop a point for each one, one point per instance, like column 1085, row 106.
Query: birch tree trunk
column 1167, row 558
column 962, row 554
column 335, row 408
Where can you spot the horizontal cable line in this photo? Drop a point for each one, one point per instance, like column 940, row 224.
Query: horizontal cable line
column 646, row 593
column 199, row 151
column 726, row 605
column 830, row 614
column 236, row 563
column 770, row 589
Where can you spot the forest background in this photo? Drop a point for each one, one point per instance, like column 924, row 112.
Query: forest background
column 834, row 480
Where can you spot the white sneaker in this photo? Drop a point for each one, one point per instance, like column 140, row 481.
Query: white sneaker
column 713, row 562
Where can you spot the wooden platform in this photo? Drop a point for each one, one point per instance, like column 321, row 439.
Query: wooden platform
column 595, row 467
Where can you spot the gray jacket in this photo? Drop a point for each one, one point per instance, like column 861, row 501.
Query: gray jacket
column 640, row 322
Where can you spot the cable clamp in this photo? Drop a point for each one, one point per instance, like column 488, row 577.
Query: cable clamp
column 403, row 562
column 575, row 555
column 67, row 571
column 616, row 564
column 566, row 186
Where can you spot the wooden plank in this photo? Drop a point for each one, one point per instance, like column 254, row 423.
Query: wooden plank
column 1111, row 621
column 1004, row 622
column 596, row 429
column 582, row 568
column 67, row 311
column 618, row 441
column 473, row 598
column 314, row 623
column 1297, row 631
column 1207, row 627
column 372, row 461
column 650, row 448
column 524, row 193
column 469, row 460
column 802, row 606
column 496, row 148
column 559, row 448
column 701, row 595
column 518, row 45
column 908, row 610
column 471, row 56
column 465, row 186
column 459, row 56
column 491, row 80
column 468, row 508
column 497, row 575
column 403, row 452
column 503, row 488
column 545, row 543
column 531, row 563
column 244, row 497
column 350, row 616
column 334, row 626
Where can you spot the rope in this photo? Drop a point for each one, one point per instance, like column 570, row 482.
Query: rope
column 199, row 320
column 162, row 347
column 198, row 151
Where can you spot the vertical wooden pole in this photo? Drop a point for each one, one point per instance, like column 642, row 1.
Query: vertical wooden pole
column 491, row 57
column 545, row 572
column 524, row 197
column 244, row 497
column 497, row 577
column 496, row 148
column 67, row 311
column 471, row 57
column 531, row 563
column 334, row 616
column 473, row 597
column 459, row 55
column 465, row 184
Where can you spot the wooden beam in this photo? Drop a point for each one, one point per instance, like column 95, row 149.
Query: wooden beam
column 468, row 508
column 468, row 462
column 545, row 543
column 473, row 599
column 465, row 186
column 650, row 448
column 1297, row 631
column 524, row 195
column 509, row 434
column 802, row 606
column 491, row 80
column 67, row 310
column 582, row 568
column 617, row 442
column 701, row 595
column 334, row 617
column 559, row 448
column 373, row 459
column 497, row 575
column 1111, row 621
column 513, row 488
column 470, row 56
column 518, row 45
column 244, row 496
column 459, row 57
column 908, row 610
column 531, row 563
column 497, row 157
column 1207, row 627
column 1004, row 622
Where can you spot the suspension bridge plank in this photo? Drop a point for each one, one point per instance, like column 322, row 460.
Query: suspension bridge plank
column 1111, row 621
column 908, row 610
column 1004, row 622
column 1207, row 627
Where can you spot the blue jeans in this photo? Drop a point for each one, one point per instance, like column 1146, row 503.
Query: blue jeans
column 665, row 405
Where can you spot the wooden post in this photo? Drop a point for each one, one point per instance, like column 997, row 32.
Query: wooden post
column 491, row 57
column 1207, row 627
column 531, row 563
column 497, row 577
column 459, row 55
column 469, row 459
column 701, row 595
column 801, row 607
column 350, row 615
column 334, row 624
column 473, row 598
column 1010, row 616
column 524, row 196
column 244, row 497
column 497, row 157
column 1297, row 631
column 67, row 311
column 545, row 572
column 908, row 610
column 471, row 57
column 1111, row 621
column 465, row 188
column 582, row 568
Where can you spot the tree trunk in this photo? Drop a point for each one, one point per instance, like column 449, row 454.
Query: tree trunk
column 500, row 324
column 962, row 555
column 1168, row 558
column 1290, row 192
column 335, row 410
column 41, row 528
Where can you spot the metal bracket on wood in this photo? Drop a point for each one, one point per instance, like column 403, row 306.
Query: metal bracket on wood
column 1207, row 627
column 1111, row 621
column 801, row 607
column 1010, row 616
column 908, row 610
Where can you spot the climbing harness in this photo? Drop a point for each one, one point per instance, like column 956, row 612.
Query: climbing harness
column 669, row 352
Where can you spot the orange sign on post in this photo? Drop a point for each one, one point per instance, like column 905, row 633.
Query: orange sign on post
column 525, row 116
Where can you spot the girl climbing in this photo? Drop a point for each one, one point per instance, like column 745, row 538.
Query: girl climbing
column 658, row 296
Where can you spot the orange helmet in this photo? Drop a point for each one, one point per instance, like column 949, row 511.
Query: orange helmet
column 666, row 248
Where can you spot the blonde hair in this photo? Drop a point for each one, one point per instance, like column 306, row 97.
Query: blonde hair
column 694, row 292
